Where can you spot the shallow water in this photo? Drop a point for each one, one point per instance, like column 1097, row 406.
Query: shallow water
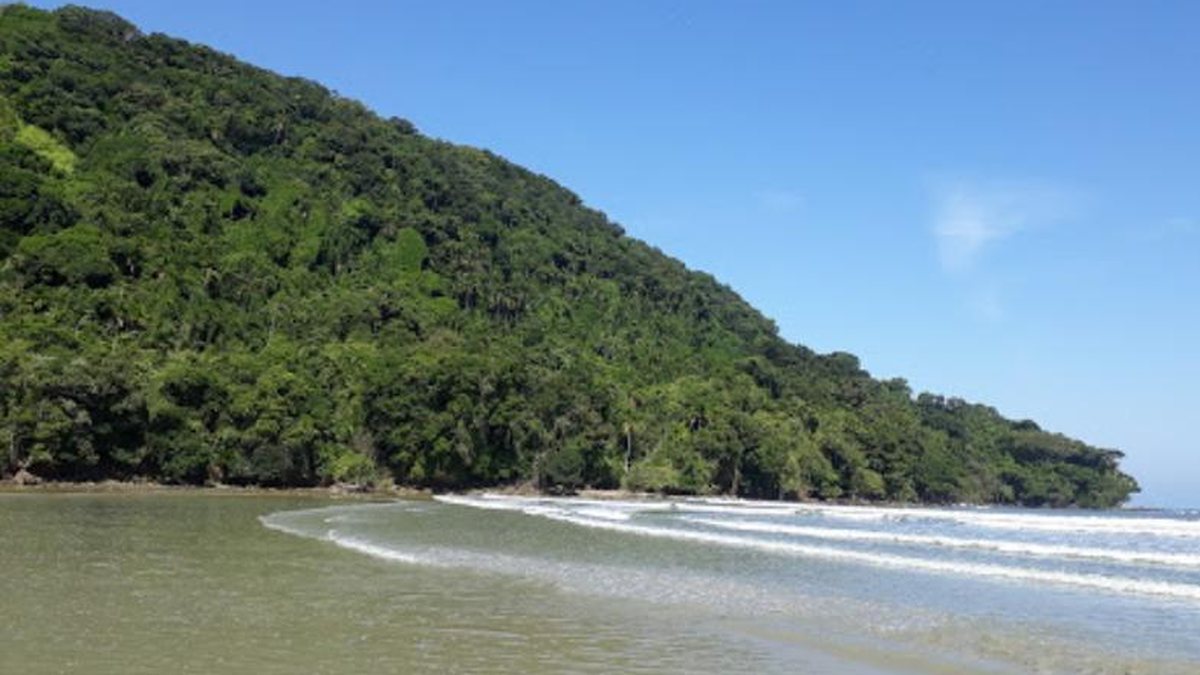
column 196, row 583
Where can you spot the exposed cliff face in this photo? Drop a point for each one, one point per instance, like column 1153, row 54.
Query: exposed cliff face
column 213, row 272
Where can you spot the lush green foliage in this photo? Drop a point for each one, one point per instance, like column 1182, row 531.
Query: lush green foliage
column 209, row 272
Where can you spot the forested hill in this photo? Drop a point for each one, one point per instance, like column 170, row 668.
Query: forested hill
column 209, row 272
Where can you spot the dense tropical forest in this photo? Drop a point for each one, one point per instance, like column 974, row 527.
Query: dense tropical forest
column 211, row 273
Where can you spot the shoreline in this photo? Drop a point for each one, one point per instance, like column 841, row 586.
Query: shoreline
column 339, row 491
column 115, row 487
column 10, row 485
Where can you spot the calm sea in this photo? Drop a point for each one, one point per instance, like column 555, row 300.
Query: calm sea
column 489, row 583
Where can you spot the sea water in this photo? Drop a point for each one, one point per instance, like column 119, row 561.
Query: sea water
column 986, row 588
column 490, row 583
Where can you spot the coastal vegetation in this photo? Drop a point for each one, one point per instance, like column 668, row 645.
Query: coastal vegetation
column 212, row 273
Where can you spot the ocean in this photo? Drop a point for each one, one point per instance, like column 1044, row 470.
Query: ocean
column 976, row 588
column 199, row 583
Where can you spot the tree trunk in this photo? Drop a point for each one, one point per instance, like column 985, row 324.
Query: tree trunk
column 628, row 447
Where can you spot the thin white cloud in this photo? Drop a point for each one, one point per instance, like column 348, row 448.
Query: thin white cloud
column 971, row 216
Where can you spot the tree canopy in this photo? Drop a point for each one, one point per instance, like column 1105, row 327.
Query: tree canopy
column 209, row 272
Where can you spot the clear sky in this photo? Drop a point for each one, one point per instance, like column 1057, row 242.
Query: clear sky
column 995, row 200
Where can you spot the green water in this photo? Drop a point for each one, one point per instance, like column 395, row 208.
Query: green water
column 193, row 583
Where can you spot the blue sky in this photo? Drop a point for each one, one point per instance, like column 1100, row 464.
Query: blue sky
column 996, row 200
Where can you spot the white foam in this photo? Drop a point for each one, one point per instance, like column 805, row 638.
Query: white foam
column 980, row 517
column 373, row 550
column 1001, row 546
column 616, row 517
column 271, row 521
column 604, row 514
column 1017, row 521
column 510, row 502
column 490, row 502
column 594, row 508
column 982, row 570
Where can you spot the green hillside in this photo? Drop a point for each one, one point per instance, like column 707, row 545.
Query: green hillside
column 209, row 272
